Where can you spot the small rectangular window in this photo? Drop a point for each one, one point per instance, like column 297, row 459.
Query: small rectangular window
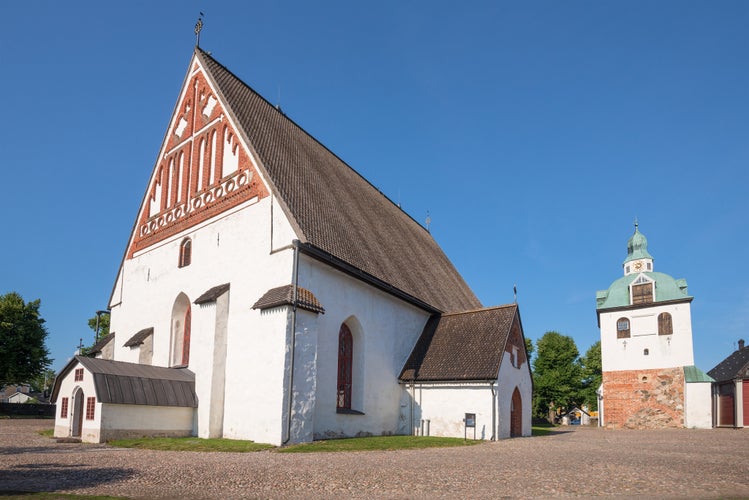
column 79, row 374
column 90, row 408
column 64, row 408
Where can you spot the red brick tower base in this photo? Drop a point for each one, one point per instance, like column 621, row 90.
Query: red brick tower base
column 644, row 399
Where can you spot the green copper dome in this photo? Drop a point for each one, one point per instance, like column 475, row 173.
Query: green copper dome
column 637, row 247
column 666, row 289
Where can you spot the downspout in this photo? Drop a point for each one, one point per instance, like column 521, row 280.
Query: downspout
column 494, row 412
column 290, row 389
column 413, row 399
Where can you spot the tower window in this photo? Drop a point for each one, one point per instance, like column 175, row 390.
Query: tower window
column 665, row 324
column 642, row 294
column 185, row 252
column 622, row 328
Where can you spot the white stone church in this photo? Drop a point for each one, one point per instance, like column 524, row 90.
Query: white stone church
column 269, row 292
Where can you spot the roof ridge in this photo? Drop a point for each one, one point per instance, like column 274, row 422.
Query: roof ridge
column 293, row 122
column 480, row 309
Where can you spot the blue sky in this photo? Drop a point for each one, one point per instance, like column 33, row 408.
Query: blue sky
column 533, row 133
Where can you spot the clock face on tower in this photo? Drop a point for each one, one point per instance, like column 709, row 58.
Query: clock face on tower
column 638, row 266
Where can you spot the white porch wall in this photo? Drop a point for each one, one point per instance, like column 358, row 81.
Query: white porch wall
column 385, row 329
column 68, row 387
column 665, row 351
column 510, row 378
column 698, row 405
column 445, row 406
column 122, row 421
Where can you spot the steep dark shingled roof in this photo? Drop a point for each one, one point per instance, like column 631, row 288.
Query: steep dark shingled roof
column 96, row 348
column 336, row 209
column 212, row 294
column 461, row 346
column 284, row 295
column 139, row 337
column 734, row 366
column 118, row 382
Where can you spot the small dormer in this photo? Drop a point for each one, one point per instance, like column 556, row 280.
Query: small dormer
column 642, row 290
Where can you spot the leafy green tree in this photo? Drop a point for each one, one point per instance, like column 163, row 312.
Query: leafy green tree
column 23, row 354
column 592, row 375
column 43, row 381
column 103, row 325
column 529, row 348
column 557, row 374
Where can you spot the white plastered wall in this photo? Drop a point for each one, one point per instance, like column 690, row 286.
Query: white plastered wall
column 69, row 388
column 511, row 377
column 445, row 406
column 698, row 405
column 384, row 330
column 664, row 351
column 249, row 248
column 125, row 421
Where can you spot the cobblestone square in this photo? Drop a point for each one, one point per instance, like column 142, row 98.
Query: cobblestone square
column 571, row 462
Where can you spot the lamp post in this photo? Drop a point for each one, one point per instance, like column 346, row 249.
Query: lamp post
column 98, row 315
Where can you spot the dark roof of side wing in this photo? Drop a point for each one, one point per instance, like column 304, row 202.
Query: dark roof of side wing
column 336, row 209
column 461, row 346
column 736, row 365
column 118, row 382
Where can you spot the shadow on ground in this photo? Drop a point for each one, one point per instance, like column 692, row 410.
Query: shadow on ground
column 21, row 478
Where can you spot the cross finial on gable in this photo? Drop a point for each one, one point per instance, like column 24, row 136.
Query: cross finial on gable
column 198, row 29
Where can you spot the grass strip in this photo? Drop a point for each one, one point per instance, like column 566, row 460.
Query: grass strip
column 376, row 443
column 191, row 444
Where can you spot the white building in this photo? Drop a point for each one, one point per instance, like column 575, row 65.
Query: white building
column 649, row 377
column 269, row 292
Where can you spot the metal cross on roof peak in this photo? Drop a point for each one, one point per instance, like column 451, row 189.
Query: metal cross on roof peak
column 198, row 29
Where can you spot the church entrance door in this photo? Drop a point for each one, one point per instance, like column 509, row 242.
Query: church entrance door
column 516, row 415
column 77, row 413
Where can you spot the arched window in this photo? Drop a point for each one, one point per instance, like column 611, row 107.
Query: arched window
column 185, row 252
column 186, row 338
column 622, row 328
column 665, row 324
column 345, row 365
column 180, row 334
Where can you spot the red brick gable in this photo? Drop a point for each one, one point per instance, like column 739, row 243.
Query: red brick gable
column 203, row 168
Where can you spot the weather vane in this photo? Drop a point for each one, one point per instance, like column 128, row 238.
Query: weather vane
column 198, row 29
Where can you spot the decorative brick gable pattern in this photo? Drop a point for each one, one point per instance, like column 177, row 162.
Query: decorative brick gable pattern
column 203, row 170
column 644, row 399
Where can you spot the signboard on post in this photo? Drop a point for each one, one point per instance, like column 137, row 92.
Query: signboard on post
column 469, row 421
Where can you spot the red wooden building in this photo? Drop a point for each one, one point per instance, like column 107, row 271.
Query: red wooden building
column 731, row 389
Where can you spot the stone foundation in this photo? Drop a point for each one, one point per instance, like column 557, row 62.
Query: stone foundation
column 644, row 399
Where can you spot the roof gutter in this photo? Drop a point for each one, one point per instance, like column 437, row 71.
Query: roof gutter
column 343, row 266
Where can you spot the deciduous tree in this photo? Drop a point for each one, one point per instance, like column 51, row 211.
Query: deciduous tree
column 23, row 353
column 556, row 373
column 592, row 375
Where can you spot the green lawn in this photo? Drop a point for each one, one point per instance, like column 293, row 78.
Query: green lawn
column 237, row 446
column 376, row 443
column 542, row 429
column 191, row 444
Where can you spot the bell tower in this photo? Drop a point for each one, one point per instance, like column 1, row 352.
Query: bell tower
column 646, row 341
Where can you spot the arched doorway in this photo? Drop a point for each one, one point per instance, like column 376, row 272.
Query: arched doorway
column 77, row 412
column 516, row 415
